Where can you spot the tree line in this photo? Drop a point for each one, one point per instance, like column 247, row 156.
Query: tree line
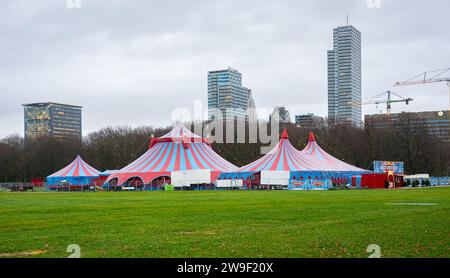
column 114, row 147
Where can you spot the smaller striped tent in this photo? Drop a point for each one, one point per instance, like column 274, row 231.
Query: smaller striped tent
column 76, row 173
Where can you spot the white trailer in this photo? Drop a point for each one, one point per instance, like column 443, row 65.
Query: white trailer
column 275, row 178
column 189, row 177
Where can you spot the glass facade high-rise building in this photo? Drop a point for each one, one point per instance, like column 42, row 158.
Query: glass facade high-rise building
column 60, row 121
column 344, row 77
column 310, row 121
column 227, row 96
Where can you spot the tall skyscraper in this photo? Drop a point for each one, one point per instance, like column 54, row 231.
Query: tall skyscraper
column 52, row 119
column 227, row 96
column 344, row 77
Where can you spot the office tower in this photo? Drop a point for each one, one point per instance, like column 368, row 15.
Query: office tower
column 284, row 115
column 435, row 123
column 344, row 77
column 310, row 121
column 52, row 119
column 227, row 96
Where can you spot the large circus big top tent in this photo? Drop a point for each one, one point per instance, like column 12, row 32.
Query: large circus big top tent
column 287, row 166
column 181, row 155
column 76, row 173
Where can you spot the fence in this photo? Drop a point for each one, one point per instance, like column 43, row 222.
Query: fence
column 435, row 181
column 42, row 187
column 22, row 187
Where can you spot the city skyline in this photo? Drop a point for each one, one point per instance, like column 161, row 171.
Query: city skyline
column 50, row 53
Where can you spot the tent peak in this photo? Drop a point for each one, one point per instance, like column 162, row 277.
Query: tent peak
column 285, row 134
column 311, row 137
column 179, row 134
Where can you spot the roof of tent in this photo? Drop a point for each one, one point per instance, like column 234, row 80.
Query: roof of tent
column 284, row 157
column 178, row 150
column 78, row 168
column 180, row 131
column 179, row 134
column 108, row 173
column 326, row 160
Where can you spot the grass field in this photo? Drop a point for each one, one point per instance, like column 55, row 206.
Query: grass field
column 227, row 224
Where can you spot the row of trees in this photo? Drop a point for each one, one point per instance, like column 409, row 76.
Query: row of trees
column 115, row 147
column 108, row 148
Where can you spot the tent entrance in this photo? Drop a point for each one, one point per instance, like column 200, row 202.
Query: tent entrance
column 159, row 183
column 134, row 183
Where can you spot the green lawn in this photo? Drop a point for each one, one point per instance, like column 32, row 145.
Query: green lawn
column 227, row 224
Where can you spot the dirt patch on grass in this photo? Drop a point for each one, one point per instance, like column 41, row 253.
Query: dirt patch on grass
column 199, row 233
column 23, row 254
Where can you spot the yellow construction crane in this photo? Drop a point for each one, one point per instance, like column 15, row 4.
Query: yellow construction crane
column 433, row 76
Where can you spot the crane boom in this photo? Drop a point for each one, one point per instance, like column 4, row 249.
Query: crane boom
column 427, row 77
column 388, row 101
column 422, row 82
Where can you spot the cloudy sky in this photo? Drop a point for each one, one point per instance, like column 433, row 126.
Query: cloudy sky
column 131, row 62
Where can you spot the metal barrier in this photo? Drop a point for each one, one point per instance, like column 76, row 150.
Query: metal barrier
column 22, row 187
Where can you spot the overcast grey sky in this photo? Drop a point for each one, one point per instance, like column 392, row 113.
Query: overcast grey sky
column 133, row 61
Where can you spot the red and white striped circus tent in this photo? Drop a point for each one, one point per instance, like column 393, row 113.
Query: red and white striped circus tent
column 76, row 173
column 285, row 163
column 324, row 160
column 284, row 157
column 181, row 156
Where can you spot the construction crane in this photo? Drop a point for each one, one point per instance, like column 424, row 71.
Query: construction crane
column 389, row 101
column 433, row 76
